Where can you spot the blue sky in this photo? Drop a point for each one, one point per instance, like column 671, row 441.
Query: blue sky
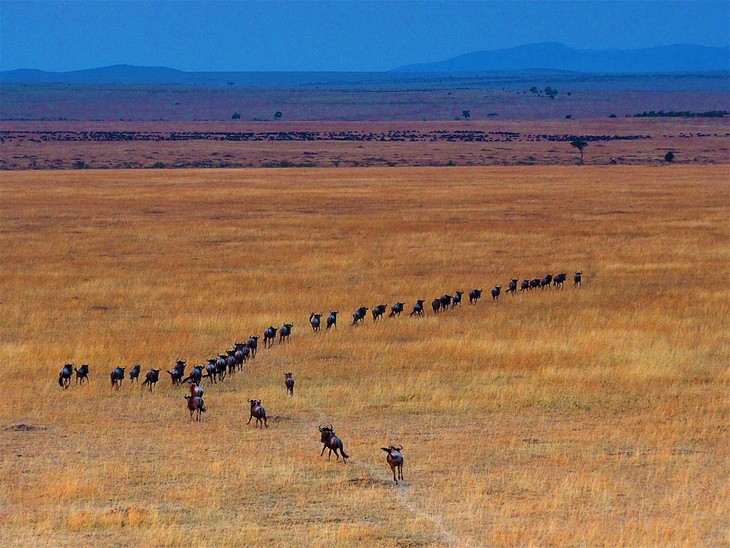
column 349, row 36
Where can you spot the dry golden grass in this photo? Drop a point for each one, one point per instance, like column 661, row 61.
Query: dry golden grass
column 593, row 416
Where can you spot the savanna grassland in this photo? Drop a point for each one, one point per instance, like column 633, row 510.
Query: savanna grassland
column 590, row 416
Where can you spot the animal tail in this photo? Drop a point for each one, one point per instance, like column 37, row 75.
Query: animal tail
column 344, row 455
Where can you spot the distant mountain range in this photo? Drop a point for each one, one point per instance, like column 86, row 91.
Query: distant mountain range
column 555, row 56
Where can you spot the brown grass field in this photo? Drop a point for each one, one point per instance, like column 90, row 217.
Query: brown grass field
column 595, row 416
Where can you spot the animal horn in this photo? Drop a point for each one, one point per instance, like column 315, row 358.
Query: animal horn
column 399, row 448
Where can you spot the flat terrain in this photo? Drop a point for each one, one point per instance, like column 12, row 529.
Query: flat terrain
column 594, row 415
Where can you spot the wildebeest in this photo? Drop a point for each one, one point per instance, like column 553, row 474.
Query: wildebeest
column 82, row 373
column 534, row 283
column 289, row 383
column 178, row 372
column 332, row 319
column 221, row 366
column 315, row 320
column 151, row 378
column 512, row 287
column 496, row 290
column 546, row 281
column 475, row 295
column 231, row 361
column 378, row 311
column 211, row 370
column 436, row 305
column 445, row 301
column 456, row 300
column 359, row 315
column 117, row 376
column 559, row 280
column 285, row 332
column 253, row 344
column 134, row 373
column 64, row 376
column 242, row 354
column 333, row 443
column 418, row 308
column 258, row 412
column 196, row 405
column 525, row 285
column 577, row 278
column 270, row 336
column 196, row 375
column 195, row 390
column 395, row 461
column 396, row 309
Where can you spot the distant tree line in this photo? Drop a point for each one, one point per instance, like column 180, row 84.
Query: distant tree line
column 682, row 114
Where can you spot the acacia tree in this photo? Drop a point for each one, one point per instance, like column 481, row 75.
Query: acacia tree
column 580, row 145
column 466, row 114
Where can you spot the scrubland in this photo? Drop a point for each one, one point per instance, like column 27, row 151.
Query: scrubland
column 590, row 416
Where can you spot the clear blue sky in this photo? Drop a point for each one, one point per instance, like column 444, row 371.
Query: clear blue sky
column 326, row 35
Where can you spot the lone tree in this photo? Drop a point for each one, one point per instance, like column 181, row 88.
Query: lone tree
column 278, row 115
column 236, row 116
column 466, row 114
column 669, row 157
column 580, row 145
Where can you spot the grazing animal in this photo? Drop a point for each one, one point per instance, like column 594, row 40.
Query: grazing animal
column 257, row 412
column 396, row 309
column 117, row 376
column 151, row 378
column 195, row 390
column 456, row 301
column 436, row 305
column 134, row 373
column 534, row 283
column 196, row 405
column 418, row 308
column 512, row 287
column 178, row 372
column 359, row 315
column 559, row 280
column 475, row 295
column 64, row 377
column 496, row 290
column 395, row 461
column 212, row 372
column 315, row 320
column 546, row 281
column 333, row 443
column 270, row 336
column 378, row 311
column 195, row 376
column 285, row 332
column 525, row 285
column 577, row 278
column 445, row 301
column 289, row 382
column 82, row 373
column 332, row 319
column 253, row 344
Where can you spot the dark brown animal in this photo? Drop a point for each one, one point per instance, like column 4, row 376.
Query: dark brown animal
column 196, row 406
column 285, row 332
column 333, row 443
column 378, row 311
column 475, row 295
column 64, row 376
column 289, row 382
column 270, row 336
column 396, row 309
column 315, row 320
column 151, row 378
column 117, row 376
column 512, row 287
column 82, row 374
column 577, row 279
column 395, row 461
column 258, row 412
column 134, row 373
column 332, row 319
column 359, row 315
column 456, row 301
column 418, row 308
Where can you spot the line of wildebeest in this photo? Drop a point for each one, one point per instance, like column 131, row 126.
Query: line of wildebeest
column 233, row 360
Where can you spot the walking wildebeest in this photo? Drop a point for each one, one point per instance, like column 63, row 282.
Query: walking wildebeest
column 270, row 336
column 559, row 280
column 475, row 295
column 546, row 281
column 577, row 278
column 496, row 290
column 196, row 405
column 151, row 378
column 196, row 375
column 64, row 376
column 117, row 376
column 242, row 354
column 289, row 383
column 231, row 361
column 82, row 373
column 258, row 412
column 332, row 319
column 456, row 300
column 285, row 332
column 359, row 315
column 525, row 285
column 253, row 344
column 395, row 461
column 378, row 311
column 445, row 301
column 315, row 320
column 178, row 372
column 211, row 370
column 221, row 366
column 512, row 287
column 436, row 305
column 396, row 309
column 418, row 308
column 333, row 443
column 134, row 373
column 534, row 283
column 195, row 390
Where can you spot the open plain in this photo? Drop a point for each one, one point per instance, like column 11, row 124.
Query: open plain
column 585, row 416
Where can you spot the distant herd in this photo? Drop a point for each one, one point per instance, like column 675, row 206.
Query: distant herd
column 234, row 359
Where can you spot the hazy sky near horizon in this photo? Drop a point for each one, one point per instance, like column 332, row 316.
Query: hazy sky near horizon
column 332, row 35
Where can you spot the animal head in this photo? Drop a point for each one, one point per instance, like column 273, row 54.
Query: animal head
column 334, row 312
column 497, row 287
column 289, row 325
column 288, row 375
column 254, row 403
column 578, row 272
column 392, row 448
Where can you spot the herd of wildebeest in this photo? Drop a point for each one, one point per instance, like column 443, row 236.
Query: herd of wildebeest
column 233, row 360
